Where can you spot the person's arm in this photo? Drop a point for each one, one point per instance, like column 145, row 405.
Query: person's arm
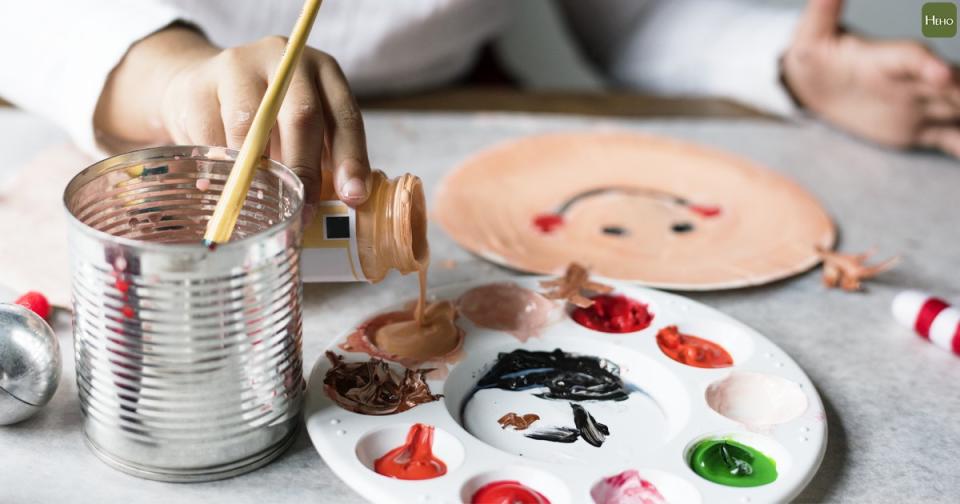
column 56, row 55
column 719, row 48
column 166, row 83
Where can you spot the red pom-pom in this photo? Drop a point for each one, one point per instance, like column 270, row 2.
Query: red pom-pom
column 35, row 302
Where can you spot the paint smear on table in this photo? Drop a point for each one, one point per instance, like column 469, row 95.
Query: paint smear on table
column 507, row 492
column 373, row 388
column 507, row 307
column 627, row 487
column 614, row 313
column 414, row 459
column 692, row 350
column 730, row 463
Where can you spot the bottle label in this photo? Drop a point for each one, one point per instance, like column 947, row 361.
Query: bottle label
column 330, row 245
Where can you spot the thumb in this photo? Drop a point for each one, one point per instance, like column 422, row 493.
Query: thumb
column 820, row 19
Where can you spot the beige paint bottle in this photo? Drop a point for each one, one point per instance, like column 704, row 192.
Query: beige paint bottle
column 389, row 231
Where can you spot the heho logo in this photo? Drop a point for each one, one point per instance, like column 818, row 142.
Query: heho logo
column 939, row 19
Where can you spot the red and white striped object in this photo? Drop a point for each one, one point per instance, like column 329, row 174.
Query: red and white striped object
column 931, row 317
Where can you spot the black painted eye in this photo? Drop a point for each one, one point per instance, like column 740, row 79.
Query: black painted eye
column 614, row 230
column 682, row 227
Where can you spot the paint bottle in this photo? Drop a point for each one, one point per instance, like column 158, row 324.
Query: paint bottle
column 389, row 231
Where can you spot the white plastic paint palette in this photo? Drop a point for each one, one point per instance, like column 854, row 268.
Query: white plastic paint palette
column 769, row 403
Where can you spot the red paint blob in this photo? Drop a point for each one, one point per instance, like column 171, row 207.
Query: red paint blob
column 413, row 460
column 705, row 210
column 691, row 350
column 547, row 223
column 613, row 313
column 35, row 302
column 127, row 311
column 507, row 492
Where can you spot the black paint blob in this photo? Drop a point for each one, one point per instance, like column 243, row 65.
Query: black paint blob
column 682, row 227
column 555, row 434
column 614, row 230
column 591, row 431
column 563, row 375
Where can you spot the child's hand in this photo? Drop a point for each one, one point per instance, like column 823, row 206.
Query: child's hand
column 895, row 93
column 175, row 87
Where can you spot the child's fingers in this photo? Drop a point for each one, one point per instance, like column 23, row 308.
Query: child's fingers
column 200, row 119
column 912, row 59
column 239, row 97
column 300, row 123
column 820, row 19
column 347, row 138
column 939, row 109
column 945, row 137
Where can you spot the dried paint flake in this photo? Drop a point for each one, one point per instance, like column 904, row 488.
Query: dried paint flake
column 848, row 271
column 573, row 285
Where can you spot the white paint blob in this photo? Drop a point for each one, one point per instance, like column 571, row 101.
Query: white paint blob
column 755, row 399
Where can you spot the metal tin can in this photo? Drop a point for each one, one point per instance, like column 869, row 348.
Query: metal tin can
column 189, row 362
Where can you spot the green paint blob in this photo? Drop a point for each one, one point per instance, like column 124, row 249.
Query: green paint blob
column 731, row 463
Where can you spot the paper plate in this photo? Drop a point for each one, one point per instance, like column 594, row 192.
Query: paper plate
column 764, row 400
column 649, row 210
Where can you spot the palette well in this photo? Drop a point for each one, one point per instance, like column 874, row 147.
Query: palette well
column 598, row 416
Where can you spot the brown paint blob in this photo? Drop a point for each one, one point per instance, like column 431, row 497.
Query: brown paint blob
column 507, row 307
column 372, row 388
column 414, row 459
column 399, row 337
column 691, row 350
column 518, row 422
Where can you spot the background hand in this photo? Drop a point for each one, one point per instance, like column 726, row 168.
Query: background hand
column 896, row 93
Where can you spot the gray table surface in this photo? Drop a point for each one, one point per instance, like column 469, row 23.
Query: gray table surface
column 892, row 400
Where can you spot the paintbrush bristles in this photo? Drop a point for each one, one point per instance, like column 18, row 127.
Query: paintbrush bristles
column 225, row 215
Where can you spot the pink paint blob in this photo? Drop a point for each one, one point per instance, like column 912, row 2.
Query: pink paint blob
column 507, row 307
column 627, row 487
column 203, row 184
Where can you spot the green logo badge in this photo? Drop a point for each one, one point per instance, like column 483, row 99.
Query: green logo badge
column 939, row 19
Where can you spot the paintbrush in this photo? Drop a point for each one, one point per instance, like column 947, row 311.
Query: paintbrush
column 224, row 219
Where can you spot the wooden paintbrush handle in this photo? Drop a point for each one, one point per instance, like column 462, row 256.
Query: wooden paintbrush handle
column 224, row 219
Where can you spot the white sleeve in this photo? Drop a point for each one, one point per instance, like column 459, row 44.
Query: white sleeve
column 56, row 55
column 721, row 48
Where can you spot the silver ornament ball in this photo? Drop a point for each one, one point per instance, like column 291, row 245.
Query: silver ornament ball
column 29, row 363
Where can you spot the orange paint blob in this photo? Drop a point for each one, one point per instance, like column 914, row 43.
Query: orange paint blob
column 413, row 460
column 507, row 492
column 691, row 350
